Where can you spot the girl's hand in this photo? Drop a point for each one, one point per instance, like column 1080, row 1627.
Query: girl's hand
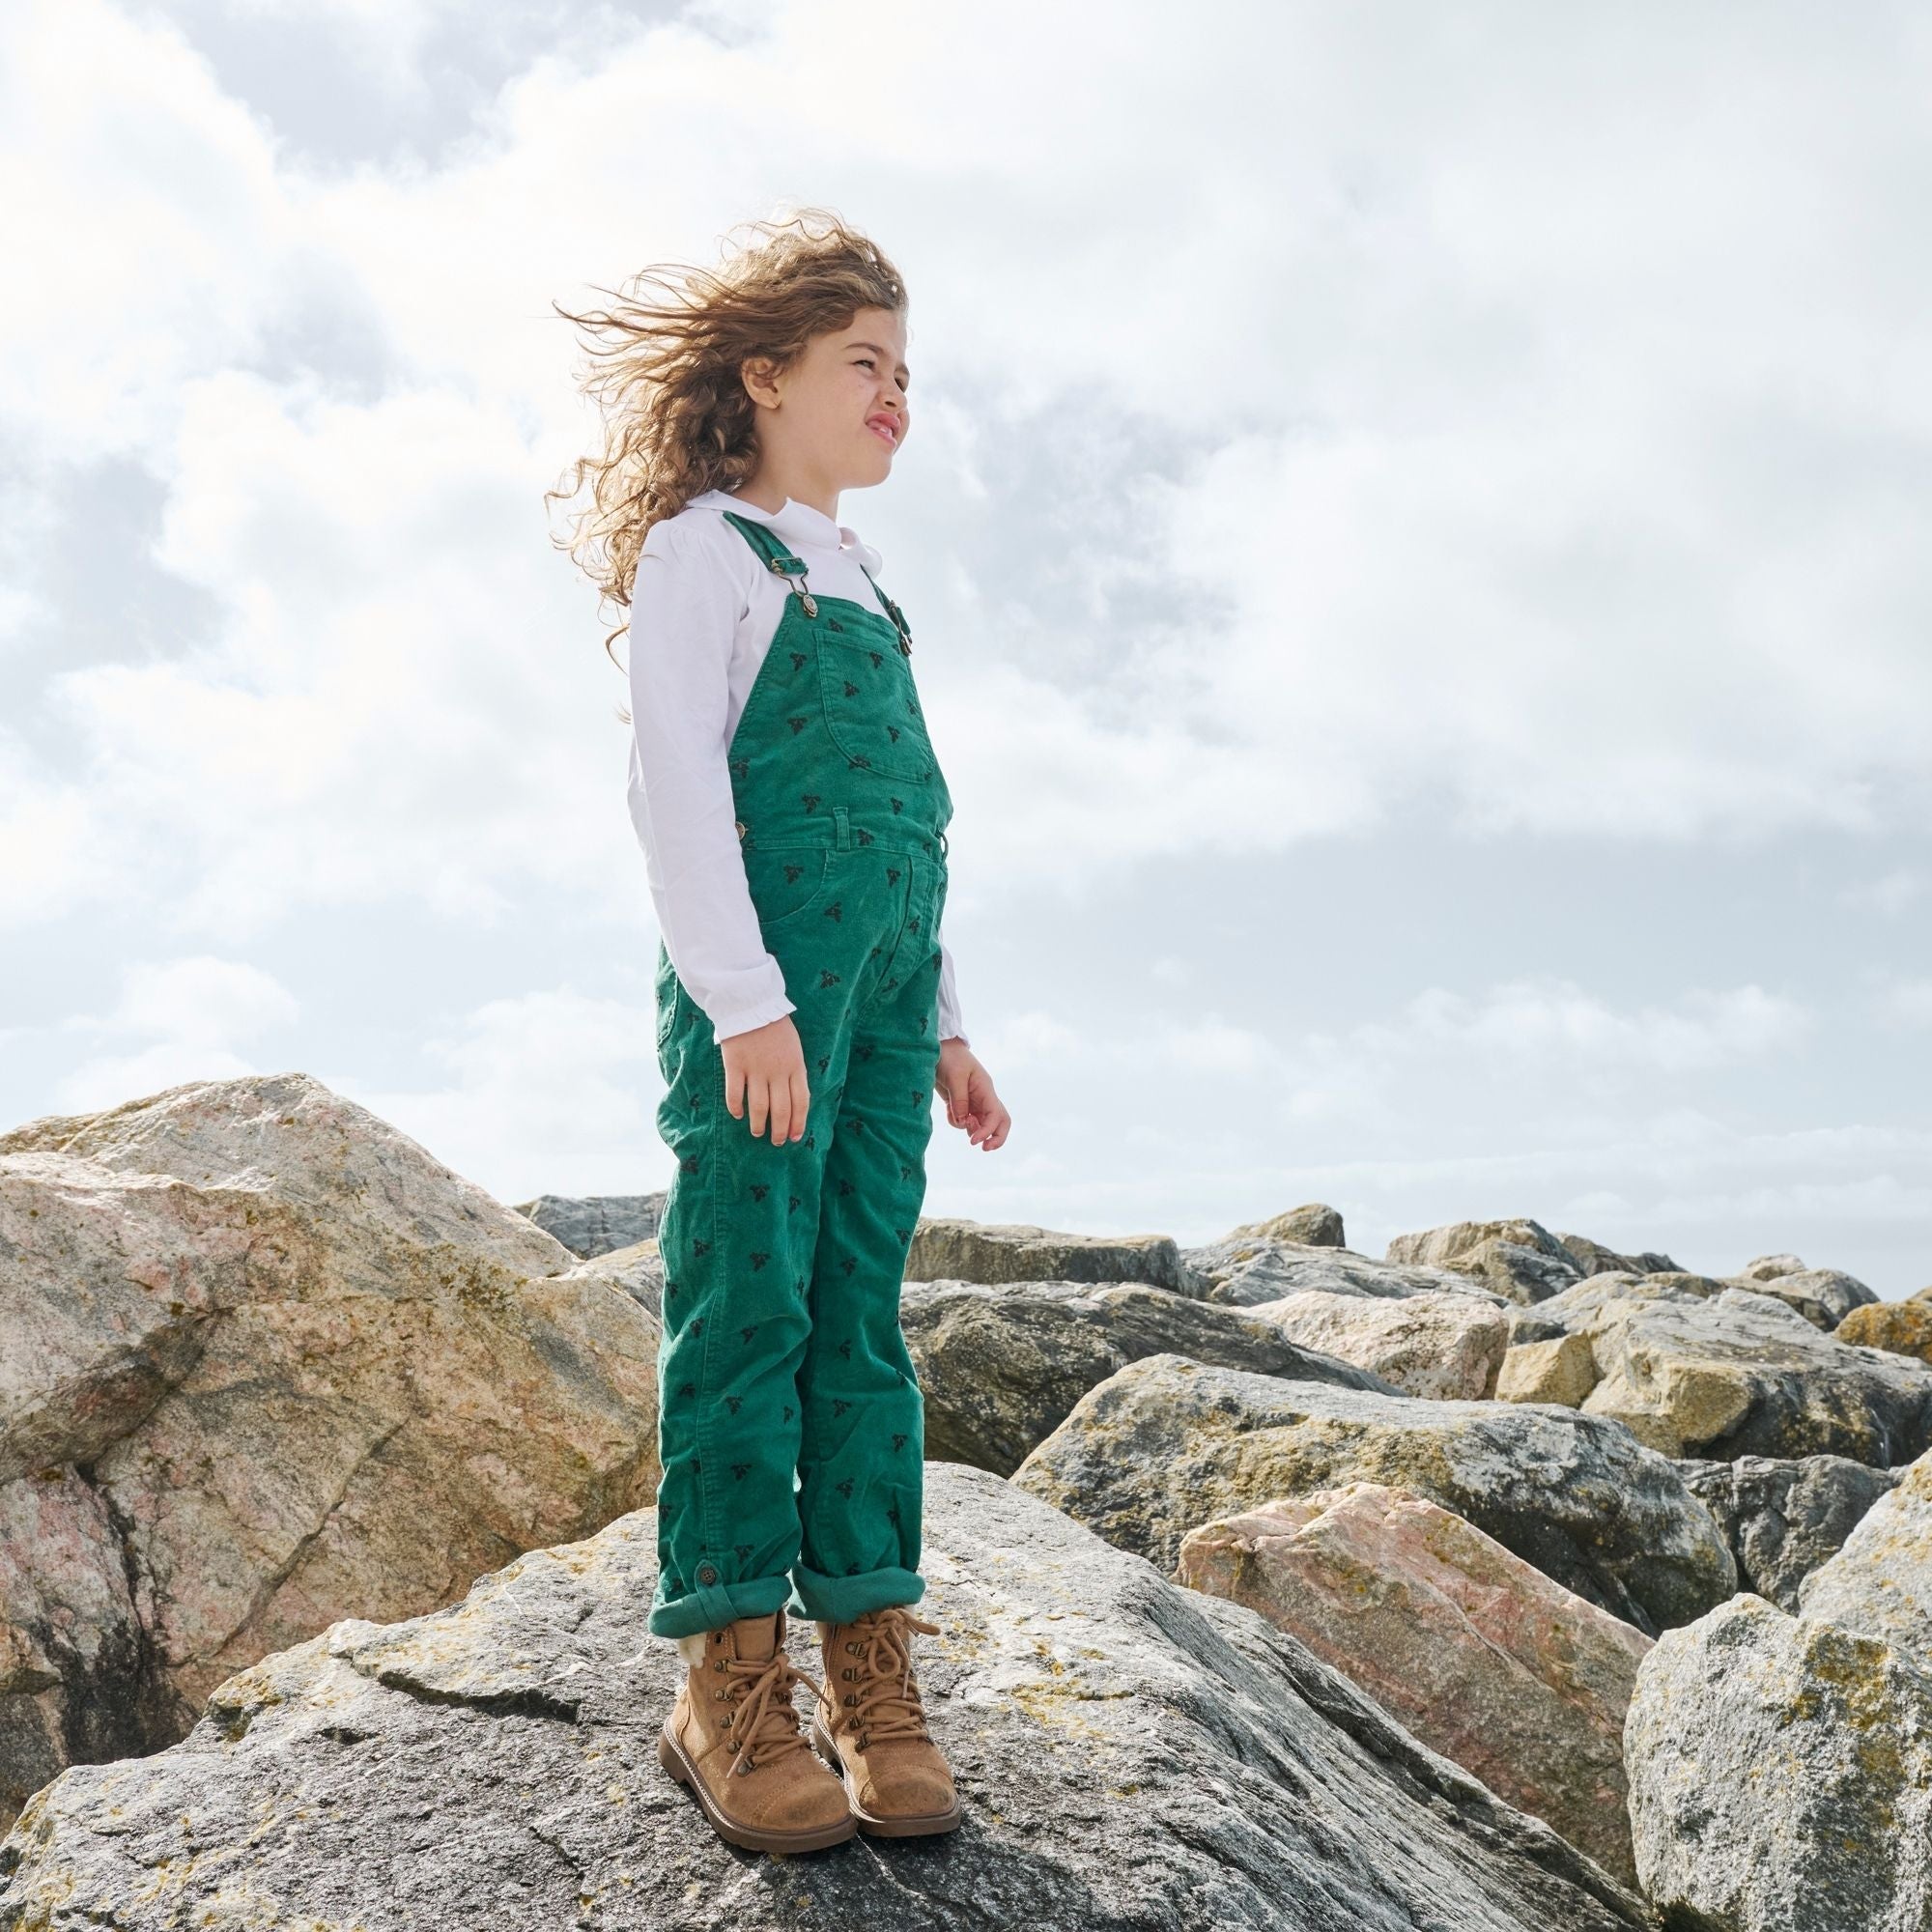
column 970, row 1101
column 764, row 1075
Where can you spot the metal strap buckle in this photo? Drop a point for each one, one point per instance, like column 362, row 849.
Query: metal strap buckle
column 784, row 567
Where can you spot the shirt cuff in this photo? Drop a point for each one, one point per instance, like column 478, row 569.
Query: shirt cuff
column 742, row 1019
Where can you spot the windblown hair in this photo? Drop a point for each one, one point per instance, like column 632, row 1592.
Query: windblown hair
column 666, row 374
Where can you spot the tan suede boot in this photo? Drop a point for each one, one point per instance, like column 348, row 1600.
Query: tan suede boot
column 733, row 1737
column 869, row 1722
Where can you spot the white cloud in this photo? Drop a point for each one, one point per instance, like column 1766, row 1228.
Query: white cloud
column 187, row 1018
column 1514, row 494
column 541, row 1086
column 1541, row 1033
column 1907, row 1003
column 201, row 999
column 1892, row 894
column 148, row 237
column 1506, row 425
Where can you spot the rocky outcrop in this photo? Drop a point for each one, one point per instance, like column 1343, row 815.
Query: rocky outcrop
column 637, row 1272
column 1593, row 1257
column 1476, row 1652
column 1880, row 1578
column 1560, row 1370
column 1131, row 1754
column 264, row 1362
column 1314, row 1226
column 1824, row 1296
column 1899, row 1328
column 1768, row 1267
column 1244, row 1270
column 1001, row 1366
column 1165, row 1444
column 1740, row 1373
column 1521, row 1260
column 597, row 1224
column 992, row 1252
column 1446, row 1345
column 1781, row 1776
column 1783, row 1517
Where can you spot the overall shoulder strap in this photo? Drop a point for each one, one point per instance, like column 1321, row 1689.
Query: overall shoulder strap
column 893, row 612
column 768, row 544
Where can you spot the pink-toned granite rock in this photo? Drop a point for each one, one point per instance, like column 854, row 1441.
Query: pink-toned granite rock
column 1481, row 1655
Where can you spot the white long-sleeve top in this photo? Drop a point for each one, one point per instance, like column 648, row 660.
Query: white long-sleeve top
column 704, row 612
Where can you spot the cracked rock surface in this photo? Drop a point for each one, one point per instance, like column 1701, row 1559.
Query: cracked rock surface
column 1781, row 1776
column 1166, row 1444
column 264, row 1362
column 1001, row 1365
column 1131, row 1753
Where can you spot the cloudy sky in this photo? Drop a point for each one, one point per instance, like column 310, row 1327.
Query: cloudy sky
column 1416, row 518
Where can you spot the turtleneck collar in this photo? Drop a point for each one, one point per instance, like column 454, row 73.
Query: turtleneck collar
column 797, row 523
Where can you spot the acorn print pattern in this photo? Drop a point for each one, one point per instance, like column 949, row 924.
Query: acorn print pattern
column 790, row 1420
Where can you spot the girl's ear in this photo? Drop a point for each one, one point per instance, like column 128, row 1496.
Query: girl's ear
column 759, row 373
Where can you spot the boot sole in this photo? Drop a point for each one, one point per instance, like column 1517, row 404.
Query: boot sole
column 901, row 1825
column 749, row 1837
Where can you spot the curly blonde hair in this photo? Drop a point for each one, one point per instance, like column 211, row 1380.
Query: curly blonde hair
column 666, row 374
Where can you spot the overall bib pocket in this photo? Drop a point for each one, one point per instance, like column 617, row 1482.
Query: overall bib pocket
column 881, row 728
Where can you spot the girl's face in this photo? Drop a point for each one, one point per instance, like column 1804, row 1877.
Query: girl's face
column 841, row 412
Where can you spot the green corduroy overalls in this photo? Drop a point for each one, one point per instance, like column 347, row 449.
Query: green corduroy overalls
column 790, row 1419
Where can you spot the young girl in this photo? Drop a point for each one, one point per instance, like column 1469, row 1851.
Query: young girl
column 793, row 817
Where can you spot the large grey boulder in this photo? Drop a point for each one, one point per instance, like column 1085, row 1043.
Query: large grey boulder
column 1593, row 1257
column 1880, row 1578
column 1576, row 1309
column 1130, row 1754
column 1741, row 1374
column 1448, row 1345
column 266, row 1362
column 1824, row 1296
column 1001, row 1365
column 1781, row 1776
column 946, row 1249
column 637, row 1272
column 1244, row 1268
column 1782, row 1516
column 596, row 1224
column 1166, row 1444
column 1521, row 1260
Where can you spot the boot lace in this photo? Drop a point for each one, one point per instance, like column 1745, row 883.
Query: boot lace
column 888, row 1703
column 764, row 1720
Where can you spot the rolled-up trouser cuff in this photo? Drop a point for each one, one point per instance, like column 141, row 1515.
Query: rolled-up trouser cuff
column 838, row 1600
column 713, row 1605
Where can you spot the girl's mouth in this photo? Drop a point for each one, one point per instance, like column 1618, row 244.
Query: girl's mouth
column 884, row 428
